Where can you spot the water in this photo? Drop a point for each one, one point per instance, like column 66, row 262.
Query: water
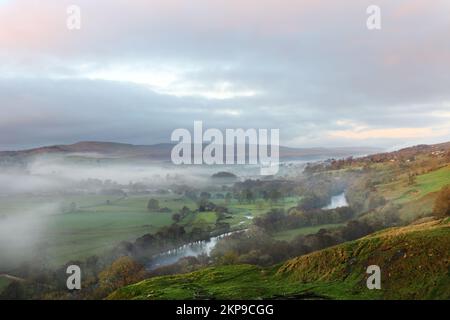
column 192, row 249
column 337, row 201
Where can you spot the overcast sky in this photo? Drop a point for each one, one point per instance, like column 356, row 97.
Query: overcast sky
column 137, row 70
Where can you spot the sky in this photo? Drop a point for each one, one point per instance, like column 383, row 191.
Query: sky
column 137, row 70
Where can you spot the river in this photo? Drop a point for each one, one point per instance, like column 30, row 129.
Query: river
column 195, row 249
column 192, row 249
column 337, row 201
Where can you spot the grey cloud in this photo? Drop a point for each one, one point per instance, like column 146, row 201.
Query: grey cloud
column 313, row 63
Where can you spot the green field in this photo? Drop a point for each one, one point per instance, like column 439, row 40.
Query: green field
column 401, row 192
column 241, row 212
column 417, row 199
column 95, row 226
column 288, row 235
column 100, row 222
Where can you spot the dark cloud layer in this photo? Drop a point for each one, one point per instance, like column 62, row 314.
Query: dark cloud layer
column 139, row 69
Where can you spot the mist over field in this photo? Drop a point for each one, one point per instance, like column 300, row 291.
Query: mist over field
column 52, row 174
column 21, row 234
column 47, row 197
column 57, row 173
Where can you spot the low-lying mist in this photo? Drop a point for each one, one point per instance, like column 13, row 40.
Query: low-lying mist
column 49, row 174
column 22, row 234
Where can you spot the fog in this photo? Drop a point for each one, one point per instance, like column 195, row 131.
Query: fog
column 54, row 174
column 33, row 189
column 48, row 174
column 22, row 234
column 122, row 171
column 21, row 182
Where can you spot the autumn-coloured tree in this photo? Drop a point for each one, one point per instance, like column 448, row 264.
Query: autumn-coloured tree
column 442, row 203
column 122, row 272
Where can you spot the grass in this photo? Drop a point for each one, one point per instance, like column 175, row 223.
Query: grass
column 242, row 211
column 414, row 261
column 288, row 235
column 202, row 220
column 416, row 200
column 425, row 184
column 101, row 222
column 95, row 226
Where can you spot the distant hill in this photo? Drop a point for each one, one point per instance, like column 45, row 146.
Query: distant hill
column 414, row 262
column 162, row 151
column 157, row 151
column 411, row 152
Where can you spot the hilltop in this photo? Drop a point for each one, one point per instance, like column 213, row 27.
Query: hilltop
column 414, row 261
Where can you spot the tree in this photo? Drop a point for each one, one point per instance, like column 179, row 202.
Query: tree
column 310, row 201
column 122, row 272
column 442, row 203
column 184, row 211
column 228, row 197
column 230, row 257
column 248, row 195
column 274, row 196
column 176, row 217
column 205, row 195
column 153, row 204
column 411, row 179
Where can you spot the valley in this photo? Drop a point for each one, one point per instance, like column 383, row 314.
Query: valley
column 307, row 232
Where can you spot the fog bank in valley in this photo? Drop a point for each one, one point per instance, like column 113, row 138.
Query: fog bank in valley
column 22, row 235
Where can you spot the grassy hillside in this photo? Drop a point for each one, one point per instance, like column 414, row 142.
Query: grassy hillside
column 426, row 183
column 414, row 262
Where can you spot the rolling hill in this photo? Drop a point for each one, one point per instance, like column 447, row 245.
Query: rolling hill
column 162, row 151
column 414, row 262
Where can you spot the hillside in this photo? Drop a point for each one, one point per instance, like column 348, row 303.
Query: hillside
column 162, row 151
column 414, row 262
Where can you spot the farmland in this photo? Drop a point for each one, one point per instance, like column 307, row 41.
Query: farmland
column 100, row 222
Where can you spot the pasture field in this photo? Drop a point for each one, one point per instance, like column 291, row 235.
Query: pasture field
column 416, row 199
column 100, row 222
column 288, row 235
column 94, row 226
column 401, row 192
column 242, row 213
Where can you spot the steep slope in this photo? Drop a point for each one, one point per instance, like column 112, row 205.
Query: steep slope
column 414, row 262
